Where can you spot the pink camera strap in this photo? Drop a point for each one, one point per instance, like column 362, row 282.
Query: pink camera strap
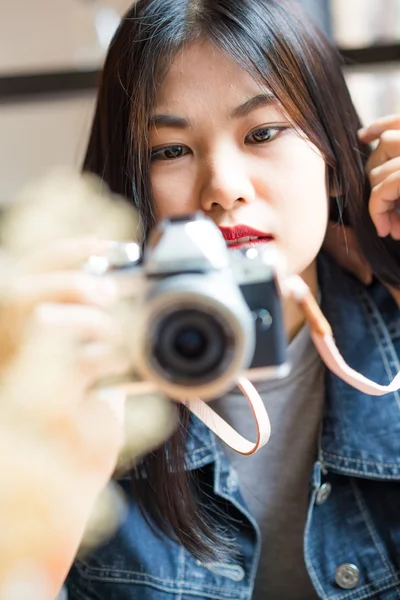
column 322, row 336
column 203, row 411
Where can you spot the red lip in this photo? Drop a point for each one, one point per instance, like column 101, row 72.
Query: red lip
column 242, row 231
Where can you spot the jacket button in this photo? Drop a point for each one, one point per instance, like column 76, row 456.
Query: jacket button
column 347, row 576
column 323, row 493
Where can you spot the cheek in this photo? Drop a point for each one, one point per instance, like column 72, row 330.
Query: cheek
column 172, row 191
column 304, row 217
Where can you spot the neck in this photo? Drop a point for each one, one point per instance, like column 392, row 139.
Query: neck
column 293, row 314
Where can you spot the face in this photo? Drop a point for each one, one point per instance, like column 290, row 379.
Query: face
column 221, row 144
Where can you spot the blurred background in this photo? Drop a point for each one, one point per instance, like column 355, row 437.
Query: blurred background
column 51, row 53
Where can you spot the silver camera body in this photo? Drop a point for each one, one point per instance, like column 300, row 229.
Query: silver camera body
column 206, row 314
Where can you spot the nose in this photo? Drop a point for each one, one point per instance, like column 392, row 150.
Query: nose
column 227, row 185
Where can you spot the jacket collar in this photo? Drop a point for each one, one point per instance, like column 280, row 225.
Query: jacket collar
column 201, row 445
column 361, row 433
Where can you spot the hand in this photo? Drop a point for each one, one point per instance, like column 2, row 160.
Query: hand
column 60, row 436
column 383, row 168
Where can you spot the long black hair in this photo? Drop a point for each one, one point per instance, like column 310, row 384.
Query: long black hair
column 279, row 46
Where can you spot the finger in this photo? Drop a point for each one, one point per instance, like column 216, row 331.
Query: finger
column 381, row 217
column 107, row 515
column 101, row 427
column 23, row 294
column 65, row 254
column 149, row 420
column 97, row 361
column 388, row 148
column 383, row 203
column 68, row 287
column 40, row 373
column 51, row 381
column 62, row 206
column 78, row 323
column 380, row 173
column 373, row 131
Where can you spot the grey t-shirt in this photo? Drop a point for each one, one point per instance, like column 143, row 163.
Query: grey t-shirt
column 274, row 482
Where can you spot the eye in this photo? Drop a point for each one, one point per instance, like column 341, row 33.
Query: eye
column 169, row 152
column 263, row 134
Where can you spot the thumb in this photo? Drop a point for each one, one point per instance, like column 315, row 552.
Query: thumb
column 149, row 420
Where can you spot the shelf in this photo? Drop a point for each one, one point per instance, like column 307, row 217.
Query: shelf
column 372, row 54
column 23, row 87
column 14, row 88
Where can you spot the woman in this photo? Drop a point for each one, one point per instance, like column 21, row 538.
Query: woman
column 239, row 108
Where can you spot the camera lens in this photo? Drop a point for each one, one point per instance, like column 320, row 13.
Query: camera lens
column 191, row 345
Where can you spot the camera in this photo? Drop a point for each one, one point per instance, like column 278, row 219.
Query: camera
column 206, row 314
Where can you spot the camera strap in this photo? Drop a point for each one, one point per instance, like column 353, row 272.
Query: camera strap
column 322, row 336
column 203, row 411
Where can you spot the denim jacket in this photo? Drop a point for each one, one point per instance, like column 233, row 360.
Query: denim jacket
column 352, row 533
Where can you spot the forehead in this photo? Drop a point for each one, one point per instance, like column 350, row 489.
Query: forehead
column 202, row 73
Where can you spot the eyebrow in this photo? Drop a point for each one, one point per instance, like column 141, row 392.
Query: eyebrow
column 257, row 102
column 173, row 121
column 169, row 121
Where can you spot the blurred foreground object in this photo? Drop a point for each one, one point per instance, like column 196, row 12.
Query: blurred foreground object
column 61, row 432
